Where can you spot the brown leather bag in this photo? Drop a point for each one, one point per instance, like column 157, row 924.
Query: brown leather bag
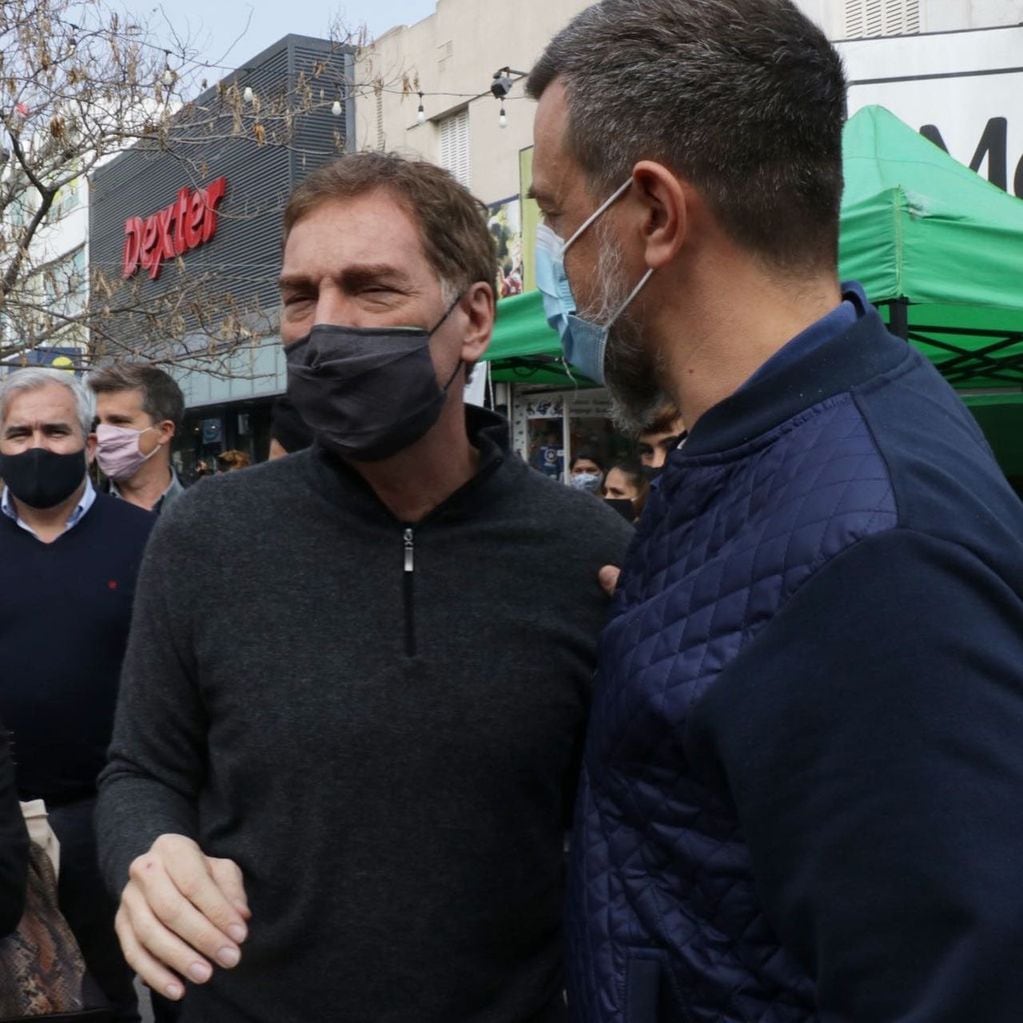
column 42, row 972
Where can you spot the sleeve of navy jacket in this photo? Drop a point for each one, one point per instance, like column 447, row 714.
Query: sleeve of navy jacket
column 875, row 760
column 803, row 781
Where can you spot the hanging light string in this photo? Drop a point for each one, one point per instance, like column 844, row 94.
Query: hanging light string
column 500, row 87
column 188, row 67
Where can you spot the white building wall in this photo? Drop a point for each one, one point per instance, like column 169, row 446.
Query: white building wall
column 453, row 55
column 59, row 260
column 838, row 18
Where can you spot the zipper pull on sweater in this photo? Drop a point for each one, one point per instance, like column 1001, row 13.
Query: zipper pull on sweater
column 408, row 591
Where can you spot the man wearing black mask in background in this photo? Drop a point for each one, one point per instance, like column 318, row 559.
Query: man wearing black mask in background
column 356, row 811
column 68, row 561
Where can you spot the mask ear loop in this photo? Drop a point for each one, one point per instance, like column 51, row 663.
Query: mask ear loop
column 449, row 311
column 632, row 294
column 609, row 201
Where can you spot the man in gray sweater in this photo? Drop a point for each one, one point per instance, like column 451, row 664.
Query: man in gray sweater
column 347, row 744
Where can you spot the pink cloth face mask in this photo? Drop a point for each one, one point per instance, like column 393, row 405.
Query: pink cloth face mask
column 117, row 450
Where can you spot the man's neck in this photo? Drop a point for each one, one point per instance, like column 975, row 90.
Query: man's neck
column 149, row 484
column 415, row 481
column 48, row 523
column 714, row 342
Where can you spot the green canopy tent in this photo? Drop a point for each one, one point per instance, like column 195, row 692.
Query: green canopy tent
column 937, row 247
column 524, row 348
column 938, row 250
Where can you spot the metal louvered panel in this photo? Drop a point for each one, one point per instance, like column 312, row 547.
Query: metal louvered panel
column 868, row 18
column 454, row 145
column 874, row 17
column 263, row 148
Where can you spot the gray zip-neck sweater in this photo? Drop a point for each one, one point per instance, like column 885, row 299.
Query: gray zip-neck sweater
column 379, row 723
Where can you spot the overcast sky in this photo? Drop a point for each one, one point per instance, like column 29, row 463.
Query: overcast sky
column 215, row 27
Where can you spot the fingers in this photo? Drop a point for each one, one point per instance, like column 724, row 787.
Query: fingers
column 150, row 970
column 194, row 888
column 228, row 877
column 608, row 577
column 176, row 919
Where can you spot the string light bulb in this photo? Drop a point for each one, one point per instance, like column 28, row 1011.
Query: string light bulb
column 336, row 108
column 168, row 76
column 502, row 118
column 248, row 95
column 421, row 113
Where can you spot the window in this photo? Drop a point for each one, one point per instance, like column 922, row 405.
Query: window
column 866, row 18
column 454, row 145
column 68, row 198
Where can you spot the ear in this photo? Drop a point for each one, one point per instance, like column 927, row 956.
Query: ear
column 166, row 431
column 90, row 448
column 478, row 305
column 665, row 199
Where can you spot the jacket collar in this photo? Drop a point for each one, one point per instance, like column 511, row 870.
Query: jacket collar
column 864, row 351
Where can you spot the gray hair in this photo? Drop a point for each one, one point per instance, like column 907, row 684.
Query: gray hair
column 34, row 378
column 744, row 98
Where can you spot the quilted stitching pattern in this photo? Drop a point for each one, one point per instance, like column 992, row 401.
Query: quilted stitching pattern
column 659, row 861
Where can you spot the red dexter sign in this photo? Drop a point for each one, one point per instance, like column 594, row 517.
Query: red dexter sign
column 188, row 222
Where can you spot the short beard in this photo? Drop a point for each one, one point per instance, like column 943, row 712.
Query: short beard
column 631, row 370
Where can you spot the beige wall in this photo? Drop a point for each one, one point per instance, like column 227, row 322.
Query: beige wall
column 454, row 54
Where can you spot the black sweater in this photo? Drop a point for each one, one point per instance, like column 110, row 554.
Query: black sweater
column 65, row 608
column 389, row 754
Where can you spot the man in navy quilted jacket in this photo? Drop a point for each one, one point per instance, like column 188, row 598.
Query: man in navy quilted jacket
column 804, row 772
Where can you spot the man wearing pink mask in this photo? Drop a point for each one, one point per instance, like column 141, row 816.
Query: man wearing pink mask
column 139, row 410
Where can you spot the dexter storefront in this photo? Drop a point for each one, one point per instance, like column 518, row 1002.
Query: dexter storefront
column 187, row 237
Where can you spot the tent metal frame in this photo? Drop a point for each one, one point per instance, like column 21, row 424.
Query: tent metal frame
column 965, row 364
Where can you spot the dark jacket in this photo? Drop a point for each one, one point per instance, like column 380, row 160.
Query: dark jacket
column 804, row 773
column 380, row 723
column 13, row 844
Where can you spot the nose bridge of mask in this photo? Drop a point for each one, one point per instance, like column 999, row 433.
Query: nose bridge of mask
column 551, row 279
column 550, row 273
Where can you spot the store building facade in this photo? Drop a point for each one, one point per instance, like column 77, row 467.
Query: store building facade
column 192, row 228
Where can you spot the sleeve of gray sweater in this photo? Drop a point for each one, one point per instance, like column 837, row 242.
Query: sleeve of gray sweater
column 160, row 714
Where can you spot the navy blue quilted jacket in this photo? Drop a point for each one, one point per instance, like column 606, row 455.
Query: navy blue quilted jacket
column 802, row 796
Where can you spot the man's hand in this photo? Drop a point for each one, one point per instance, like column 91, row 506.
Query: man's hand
column 608, row 577
column 180, row 912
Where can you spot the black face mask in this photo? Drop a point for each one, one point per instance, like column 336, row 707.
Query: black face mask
column 651, row 472
column 367, row 392
column 41, row 478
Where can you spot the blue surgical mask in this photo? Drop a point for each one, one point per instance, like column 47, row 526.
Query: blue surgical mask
column 582, row 341
column 588, row 481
